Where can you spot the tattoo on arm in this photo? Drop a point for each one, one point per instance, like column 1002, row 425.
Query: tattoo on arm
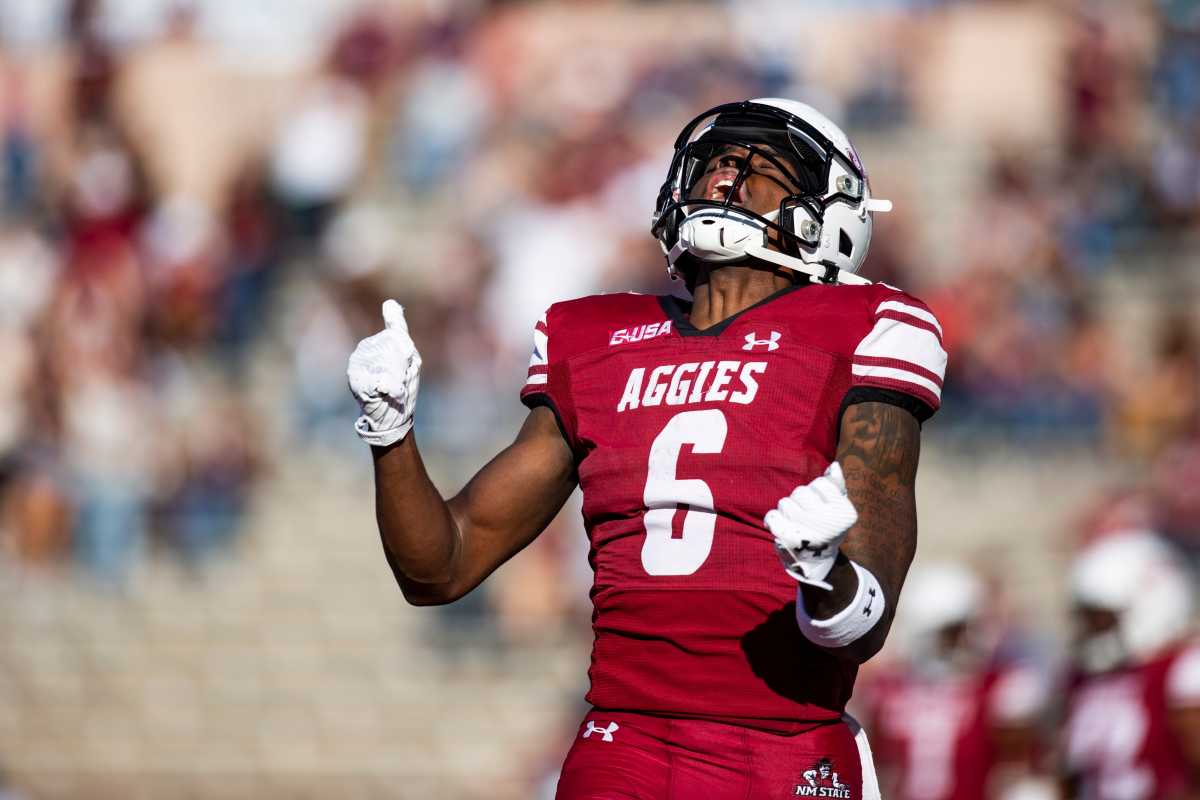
column 878, row 448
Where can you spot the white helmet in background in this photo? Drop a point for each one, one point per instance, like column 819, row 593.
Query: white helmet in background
column 824, row 229
column 1144, row 583
column 936, row 598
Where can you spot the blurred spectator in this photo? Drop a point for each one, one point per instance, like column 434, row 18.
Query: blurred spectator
column 19, row 152
column 204, row 484
column 166, row 93
column 365, row 51
column 249, row 263
column 443, row 114
column 95, row 64
column 319, row 153
column 1173, row 481
column 1162, row 405
column 36, row 520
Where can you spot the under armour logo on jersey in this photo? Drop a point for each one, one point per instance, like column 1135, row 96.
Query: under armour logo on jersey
column 607, row 732
column 771, row 343
column 867, row 608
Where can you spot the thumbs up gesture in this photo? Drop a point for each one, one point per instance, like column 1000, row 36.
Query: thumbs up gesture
column 384, row 373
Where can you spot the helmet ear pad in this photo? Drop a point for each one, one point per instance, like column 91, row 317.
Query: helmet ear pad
column 834, row 234
column 845, row 236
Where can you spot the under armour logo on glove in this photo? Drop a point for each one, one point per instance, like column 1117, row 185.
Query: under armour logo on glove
column 805, row 547
column 809, row 525
column 607, row 732
column 771, row 343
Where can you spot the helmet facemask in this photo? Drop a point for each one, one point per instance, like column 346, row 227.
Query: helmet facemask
column 1099, row 644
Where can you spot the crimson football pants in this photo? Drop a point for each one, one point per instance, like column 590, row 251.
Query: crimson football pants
column 619, row 756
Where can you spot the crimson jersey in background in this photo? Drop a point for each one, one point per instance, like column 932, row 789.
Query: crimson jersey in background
column 684, row 439
column 937, row 734
column 1117, row 741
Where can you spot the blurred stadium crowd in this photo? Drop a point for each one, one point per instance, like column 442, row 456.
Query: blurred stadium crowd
column 198, row 225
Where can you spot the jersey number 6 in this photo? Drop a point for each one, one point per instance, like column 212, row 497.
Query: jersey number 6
column 662, row 554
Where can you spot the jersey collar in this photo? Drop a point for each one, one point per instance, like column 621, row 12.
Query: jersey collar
column 679, row 310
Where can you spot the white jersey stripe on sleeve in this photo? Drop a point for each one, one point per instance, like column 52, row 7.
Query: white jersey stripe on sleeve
column 539, row 378
column 915, row 311
column 894, row 373
column 868, row 361
column 894, row 339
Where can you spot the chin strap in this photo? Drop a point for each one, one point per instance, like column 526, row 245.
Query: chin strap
column 824, row 273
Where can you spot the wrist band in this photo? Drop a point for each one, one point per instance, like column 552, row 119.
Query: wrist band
column 853, row 621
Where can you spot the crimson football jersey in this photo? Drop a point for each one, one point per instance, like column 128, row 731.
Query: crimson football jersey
column 936, row 734
column 1117, row 741
column 684, row 439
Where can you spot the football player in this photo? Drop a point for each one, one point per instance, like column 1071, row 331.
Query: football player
column 1132, row 719
column 776, row 416
column 949, row 723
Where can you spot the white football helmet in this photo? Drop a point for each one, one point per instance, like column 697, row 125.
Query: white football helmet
column 936, row 598
column 1140, row 578
column 824, row 229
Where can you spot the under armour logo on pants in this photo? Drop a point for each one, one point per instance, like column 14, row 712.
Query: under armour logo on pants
column 607, row 732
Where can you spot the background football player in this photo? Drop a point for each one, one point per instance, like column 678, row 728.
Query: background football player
column 951, row 721
column 1132, row 718
column 776, row 416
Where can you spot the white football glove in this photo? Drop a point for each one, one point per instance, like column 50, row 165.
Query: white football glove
column 810, row 524
column 384, row 374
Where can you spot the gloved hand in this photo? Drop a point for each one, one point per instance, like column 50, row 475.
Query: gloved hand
column 810, row 524
column 384, row 373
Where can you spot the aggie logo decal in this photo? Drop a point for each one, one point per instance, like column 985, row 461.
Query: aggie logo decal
column 821, row 781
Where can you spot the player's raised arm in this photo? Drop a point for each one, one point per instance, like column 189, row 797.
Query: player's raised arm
column 439, row 550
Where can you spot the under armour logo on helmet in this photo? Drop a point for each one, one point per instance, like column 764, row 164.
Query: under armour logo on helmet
column 771, row 344
column 607, row 732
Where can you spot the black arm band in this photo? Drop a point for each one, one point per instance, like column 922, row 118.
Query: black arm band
column 873, row 394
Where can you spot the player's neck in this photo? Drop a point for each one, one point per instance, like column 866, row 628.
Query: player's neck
column 729, row 290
